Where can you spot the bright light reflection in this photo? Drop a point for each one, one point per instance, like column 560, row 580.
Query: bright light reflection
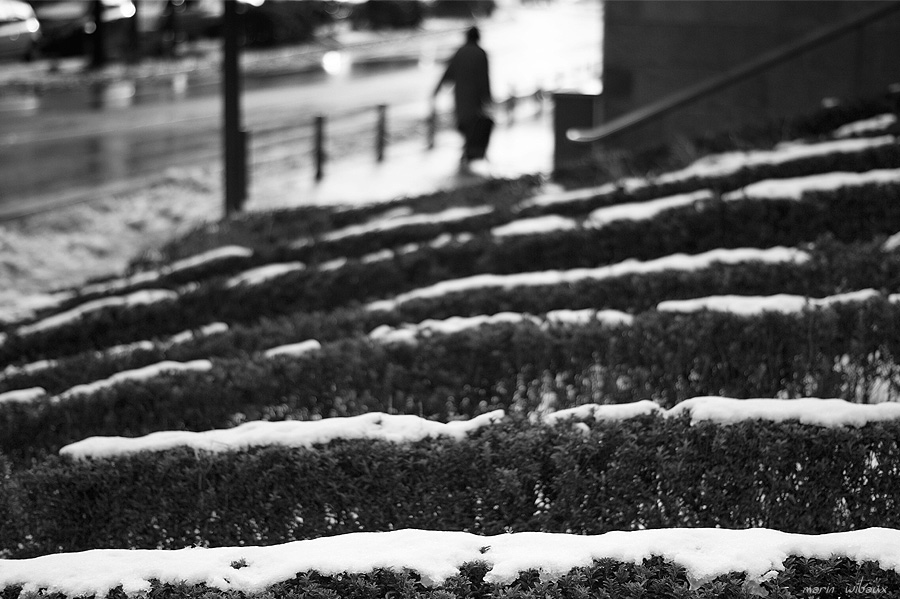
column 334, row 63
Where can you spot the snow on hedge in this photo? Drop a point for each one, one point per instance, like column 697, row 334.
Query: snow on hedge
column 604, row 412
column 876, row 123
column 408, row 332
column 294, row 349
column 814, row 411
column 646, row 210
column 261, row 274
column 138, row 298
column 404, row 219
column 682, row 262
column 288, row 433
column 795, row 188
column 746, row 305
column 227, row 252
column 22, row 395
column 705, row 553
column 729, row 163
column 726, row 410
column 138, row 374
column 30, row 368
column 539, row 224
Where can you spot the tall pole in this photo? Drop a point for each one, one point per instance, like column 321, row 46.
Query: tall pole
column 235, row 157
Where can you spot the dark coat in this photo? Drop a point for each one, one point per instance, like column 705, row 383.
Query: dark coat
column 468, row 71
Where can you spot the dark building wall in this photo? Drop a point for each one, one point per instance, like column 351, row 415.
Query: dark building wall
column 652, row 48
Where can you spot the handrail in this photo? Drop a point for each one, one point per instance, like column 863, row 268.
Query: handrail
column 730, row 77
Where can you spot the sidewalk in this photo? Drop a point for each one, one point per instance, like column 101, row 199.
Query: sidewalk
column 408, row 169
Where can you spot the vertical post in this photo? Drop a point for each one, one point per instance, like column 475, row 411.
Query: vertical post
column 511, row 107
column 381, row 134
column 431, row 127
column 98, row 48
column 539, row 99
column 235, row 158
column 320, row 147
column 134, row 32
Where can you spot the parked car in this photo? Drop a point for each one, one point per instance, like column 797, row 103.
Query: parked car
column 68, row 25
column 20, row 31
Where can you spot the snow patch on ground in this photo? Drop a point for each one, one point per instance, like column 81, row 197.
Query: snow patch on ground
column 289, row 433
column 23, row 395
column 531, row 226
column 705, row 553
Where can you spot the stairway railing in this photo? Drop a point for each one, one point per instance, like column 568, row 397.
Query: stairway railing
column 732, row 76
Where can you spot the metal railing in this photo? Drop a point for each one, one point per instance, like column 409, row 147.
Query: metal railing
column 731, row 77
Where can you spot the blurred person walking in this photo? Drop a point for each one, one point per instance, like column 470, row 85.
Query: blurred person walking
column 468, row 72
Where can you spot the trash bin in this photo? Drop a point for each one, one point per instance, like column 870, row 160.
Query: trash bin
column 574, row 109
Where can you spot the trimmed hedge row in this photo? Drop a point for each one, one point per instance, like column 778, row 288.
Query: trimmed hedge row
column 844, row 351
column 834, row 267
column 847, row 215
column 645, row 472
column 604, row 579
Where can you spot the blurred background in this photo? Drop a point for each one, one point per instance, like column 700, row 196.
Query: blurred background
column 98, row 92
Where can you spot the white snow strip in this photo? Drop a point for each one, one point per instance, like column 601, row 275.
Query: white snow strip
column 646, row 210
column 143, row 297
column 128, row 348
column 379, row 256
column 387, row 224
column 813, row 411
column 407, row 333
column 261, row 274
column 876, row 123
column 23, row 395
column 555, row 196
column 752, row 305
column 795, row 188
column 580, row 317
column 117, row 285
column 288, row 433
column 726, row 410
column 891, row 243
column 294, row 349
column 30, row 368
column 138, row 374
column 683, row 262
column 26, row 306
column 604, row 412
column 721, row 165
column 227, row 252
column 531, row 226
column 705, row 553
column 149, row 276
column 213, row 328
